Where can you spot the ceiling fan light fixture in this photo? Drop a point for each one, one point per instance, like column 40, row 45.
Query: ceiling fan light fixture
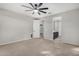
column 36, row 11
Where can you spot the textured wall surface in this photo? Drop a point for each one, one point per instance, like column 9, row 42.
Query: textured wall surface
column 14, row 27
column 48, row 28
column 70, row 26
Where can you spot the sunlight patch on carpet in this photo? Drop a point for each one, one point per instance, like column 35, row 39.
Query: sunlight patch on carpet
column 47, row 53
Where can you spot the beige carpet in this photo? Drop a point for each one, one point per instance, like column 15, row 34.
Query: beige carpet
column 38, row 47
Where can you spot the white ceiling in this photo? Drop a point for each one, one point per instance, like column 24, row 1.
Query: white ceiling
column 54, row 8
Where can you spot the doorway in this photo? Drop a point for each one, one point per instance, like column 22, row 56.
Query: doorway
column 42, row 29
column 36, row 28
column 57, row 24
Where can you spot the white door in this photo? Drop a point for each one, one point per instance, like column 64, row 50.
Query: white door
column 36, row 28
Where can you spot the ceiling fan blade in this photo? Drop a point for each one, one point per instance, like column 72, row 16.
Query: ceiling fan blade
column 35, row 5
column 32, row 5
column 40, row 4
column 38, row 13
column 27, row 7
column 43, row 8
column 43, row 11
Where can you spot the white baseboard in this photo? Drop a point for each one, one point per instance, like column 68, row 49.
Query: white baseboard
column 14, row 41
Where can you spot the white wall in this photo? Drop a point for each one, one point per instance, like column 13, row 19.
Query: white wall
column 48, row 28
column 70, row 26
column 36, row 28
column 14, row 27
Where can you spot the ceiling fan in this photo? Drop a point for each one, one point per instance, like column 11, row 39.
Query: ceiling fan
column 36, row 8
